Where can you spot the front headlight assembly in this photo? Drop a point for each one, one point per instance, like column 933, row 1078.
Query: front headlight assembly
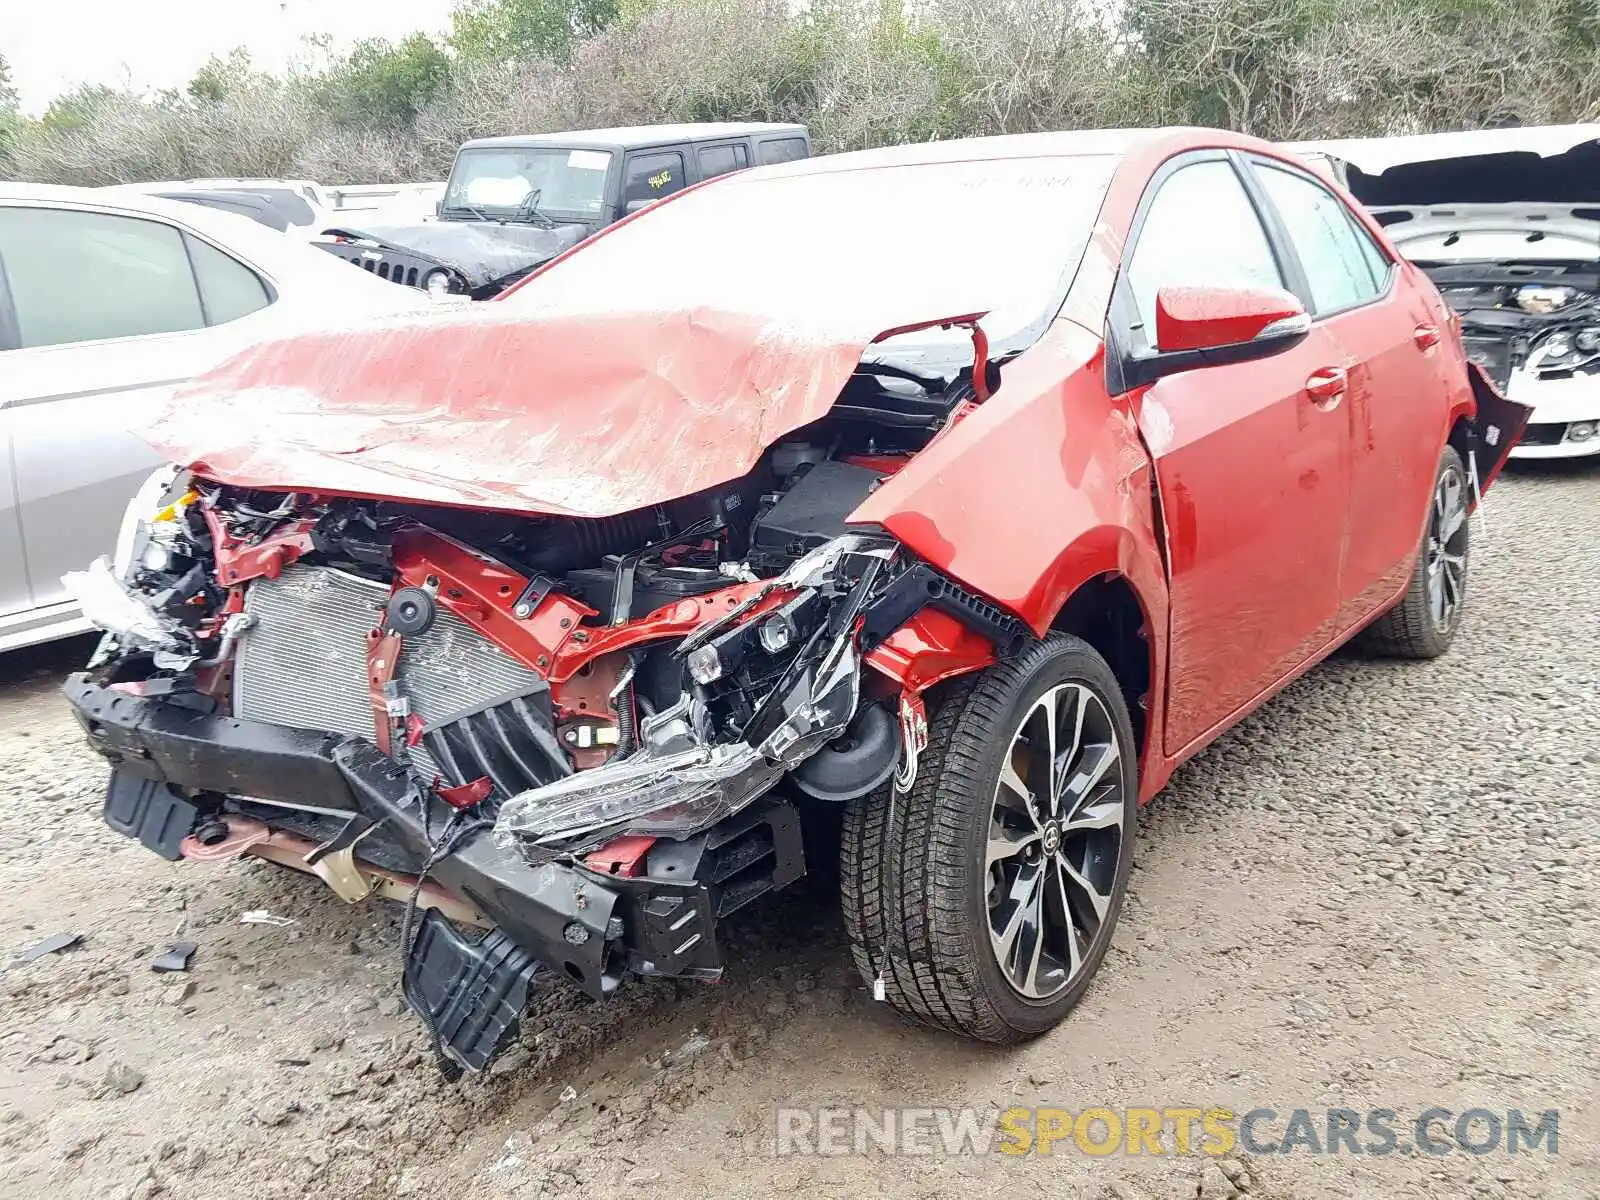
column 158, row 499
column 681, row 779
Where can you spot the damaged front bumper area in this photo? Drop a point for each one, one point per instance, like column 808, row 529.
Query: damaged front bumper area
column 525, row 829
column 179, row 769
column 570, row 744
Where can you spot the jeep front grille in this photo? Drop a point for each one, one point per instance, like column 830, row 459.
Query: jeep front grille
column 376, row 263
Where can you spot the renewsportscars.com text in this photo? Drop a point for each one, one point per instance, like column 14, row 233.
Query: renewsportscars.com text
column 1173, row 1130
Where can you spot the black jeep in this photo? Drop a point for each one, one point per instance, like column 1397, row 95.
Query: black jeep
column 513, row 203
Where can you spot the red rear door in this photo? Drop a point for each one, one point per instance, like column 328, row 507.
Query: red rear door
column 1398, row 404
column 1251, row 461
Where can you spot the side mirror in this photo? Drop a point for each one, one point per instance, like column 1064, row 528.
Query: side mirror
column 633, row 206
column 1203, row 326
column 1198, row 318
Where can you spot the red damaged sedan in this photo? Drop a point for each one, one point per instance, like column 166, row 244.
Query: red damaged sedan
column 956, row 491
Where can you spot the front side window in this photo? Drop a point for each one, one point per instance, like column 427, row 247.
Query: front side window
column 719, row 160
column 1337, row 258
column 1201, row 230
column 85, row 276
column 652, row 176
column 497, row 181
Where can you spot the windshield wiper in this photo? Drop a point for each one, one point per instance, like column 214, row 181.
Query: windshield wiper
column 528, row 210
column 477, row 212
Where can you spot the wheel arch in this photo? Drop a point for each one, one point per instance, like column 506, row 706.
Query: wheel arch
column 1462, row 434
column 1107, row 612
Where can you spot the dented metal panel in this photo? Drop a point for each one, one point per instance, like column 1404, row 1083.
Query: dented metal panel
column 578, row 415
column 1039, row 490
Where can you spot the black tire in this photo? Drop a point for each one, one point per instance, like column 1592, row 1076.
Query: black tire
column 914, row 877
column 1412, row 628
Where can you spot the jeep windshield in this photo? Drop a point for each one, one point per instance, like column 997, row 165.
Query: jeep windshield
column 495, row 181
column 823, row 243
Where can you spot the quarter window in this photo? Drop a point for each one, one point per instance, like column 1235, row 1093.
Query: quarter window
column 1201, row 230
column 652, row 176
column 719, row 160
column 83, row 276
column 229, row 289
column 780, row 150
column 1343, row 267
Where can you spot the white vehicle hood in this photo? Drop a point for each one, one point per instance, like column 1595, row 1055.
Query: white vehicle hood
column 1493, row 232
column 1377, row 155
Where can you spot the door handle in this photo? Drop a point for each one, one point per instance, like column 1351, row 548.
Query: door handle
column 1426, row 337
column 1327, row 386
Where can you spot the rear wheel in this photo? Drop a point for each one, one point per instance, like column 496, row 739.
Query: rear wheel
column 984, row 900
column 1424, row 623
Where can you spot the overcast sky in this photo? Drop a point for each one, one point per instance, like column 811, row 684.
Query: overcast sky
column 54, row 46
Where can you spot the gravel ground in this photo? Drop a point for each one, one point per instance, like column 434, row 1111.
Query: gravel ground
column 1377, row 893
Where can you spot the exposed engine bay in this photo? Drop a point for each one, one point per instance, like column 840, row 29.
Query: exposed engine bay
column 1539, row 317
column 523, row 707
column 1512, row 242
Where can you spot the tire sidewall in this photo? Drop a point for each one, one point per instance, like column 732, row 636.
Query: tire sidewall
column 1064, row 660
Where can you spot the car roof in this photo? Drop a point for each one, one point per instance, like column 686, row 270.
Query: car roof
column 628, row 137
column 125, row 199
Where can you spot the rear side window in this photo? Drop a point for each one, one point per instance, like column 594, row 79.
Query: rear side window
column 780, row 150
column 719, row 160
column 1201, row 230
column 1342, row 265
column 82, row 276
column 228, row 289
column 652, row 176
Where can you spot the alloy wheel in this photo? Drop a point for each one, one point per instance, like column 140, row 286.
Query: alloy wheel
column 1447, row 549
column 1055, row 838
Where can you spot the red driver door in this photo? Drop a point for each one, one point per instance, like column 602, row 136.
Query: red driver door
column 1251, row 464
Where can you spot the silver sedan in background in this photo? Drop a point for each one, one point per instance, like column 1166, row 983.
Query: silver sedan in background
column 109, row 302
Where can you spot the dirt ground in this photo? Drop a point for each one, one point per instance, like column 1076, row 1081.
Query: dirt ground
column 1377, row 893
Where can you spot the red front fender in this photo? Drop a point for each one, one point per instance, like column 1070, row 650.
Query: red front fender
column 1040, row 490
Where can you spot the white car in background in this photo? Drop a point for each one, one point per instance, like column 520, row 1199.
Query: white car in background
column 298, row 207
column 109, row 301
column 1506, row 222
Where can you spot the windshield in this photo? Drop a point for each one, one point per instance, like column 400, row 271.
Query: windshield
column 570, row 182
column 866, row 248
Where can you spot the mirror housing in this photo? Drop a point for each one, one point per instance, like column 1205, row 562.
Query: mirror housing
column 633, row 206
column 1212, row 326
column 1202, row 318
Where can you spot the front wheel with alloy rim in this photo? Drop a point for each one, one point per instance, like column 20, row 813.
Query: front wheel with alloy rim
column 1424, row 623
column 984, row 900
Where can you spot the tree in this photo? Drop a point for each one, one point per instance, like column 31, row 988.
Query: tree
column 505, row 32
column 10, row 118
column 383, row 84
column 222, row 77
column 77, row 109
column 8, row 93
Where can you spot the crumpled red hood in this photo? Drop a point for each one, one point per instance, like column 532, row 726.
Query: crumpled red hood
column 587, row 415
